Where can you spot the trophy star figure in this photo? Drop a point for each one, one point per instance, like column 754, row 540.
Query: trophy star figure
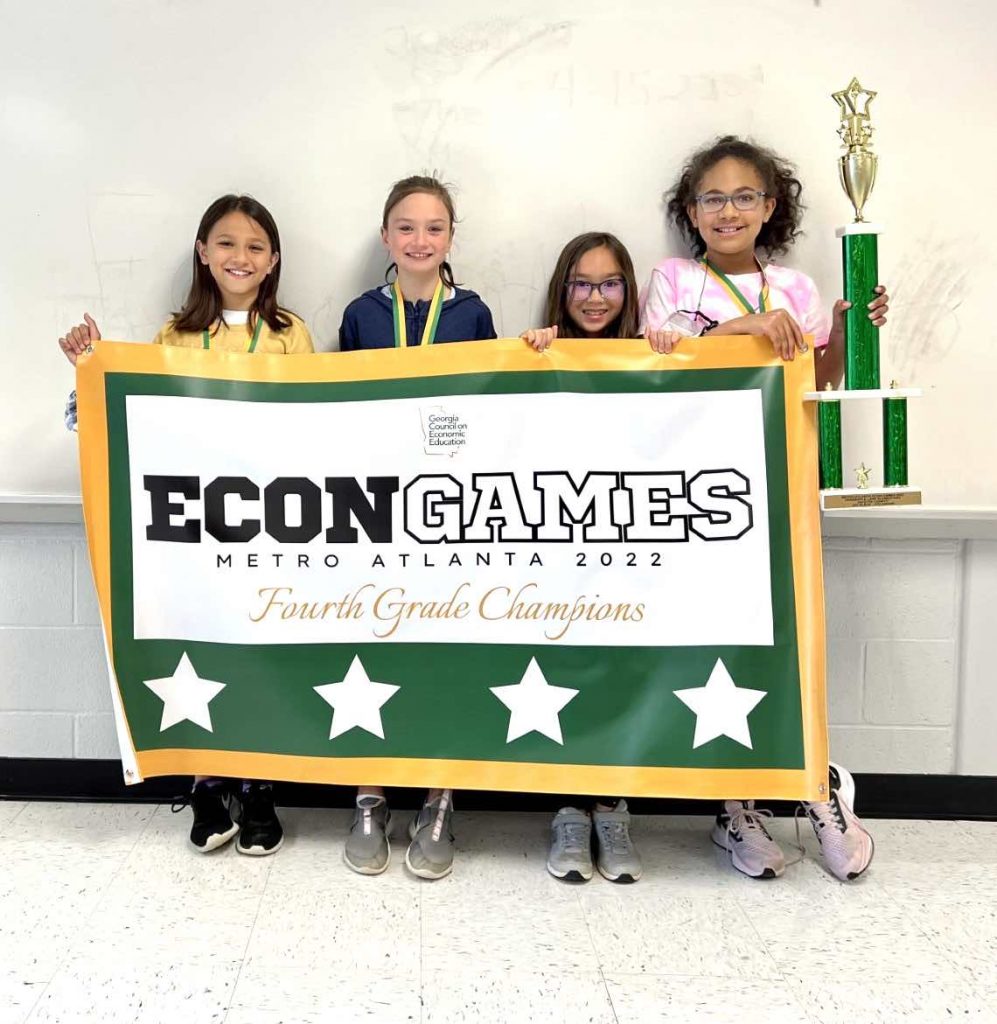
column 856, row 128
column 862, row 474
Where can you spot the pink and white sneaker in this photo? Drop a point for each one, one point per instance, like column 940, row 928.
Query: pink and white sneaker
column 844, row 842
column 740, row 830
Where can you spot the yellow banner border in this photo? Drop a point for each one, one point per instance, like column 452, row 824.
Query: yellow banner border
column 508, row 355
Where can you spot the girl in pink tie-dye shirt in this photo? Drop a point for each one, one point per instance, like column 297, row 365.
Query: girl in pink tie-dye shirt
column 733, row 200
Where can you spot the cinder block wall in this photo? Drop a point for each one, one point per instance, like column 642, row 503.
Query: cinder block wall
column 906, row 637
column 54, row 694
column 893, row 622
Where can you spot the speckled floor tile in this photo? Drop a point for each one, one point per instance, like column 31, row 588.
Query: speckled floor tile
column 344, row 930
column 512, row 997
column 649, row 935
column 681, row 999
column 967, row 932
column 289, row 995
column 140, row 992
column 463, row 933
column 843, row 1000
column 9, row 810
column 84, row 825
column 876, row 941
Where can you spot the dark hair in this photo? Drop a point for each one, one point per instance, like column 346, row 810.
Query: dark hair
column 780, row 230
column 203, row 305
column 627, row 324
column 430, row 186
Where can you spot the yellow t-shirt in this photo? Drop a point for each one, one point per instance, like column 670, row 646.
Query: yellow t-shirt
column 235, row 337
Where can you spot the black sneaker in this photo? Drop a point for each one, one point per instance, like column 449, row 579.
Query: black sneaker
column 261, row 832
column 213, row 825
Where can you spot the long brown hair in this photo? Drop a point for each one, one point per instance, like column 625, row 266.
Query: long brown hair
column 627, row 324
column 203, row 305
column 430, row 186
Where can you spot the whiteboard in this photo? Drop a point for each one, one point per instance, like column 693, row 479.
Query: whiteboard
column 120, row 121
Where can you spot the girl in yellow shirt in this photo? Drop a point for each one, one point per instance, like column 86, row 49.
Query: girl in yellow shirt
column 232, row 305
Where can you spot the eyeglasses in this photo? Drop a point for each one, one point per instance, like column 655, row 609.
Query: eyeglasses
column 714, row 202
column 610, row 289
column 690, row 322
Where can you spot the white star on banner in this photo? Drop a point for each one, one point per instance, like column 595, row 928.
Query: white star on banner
column 356, row 702
column 534, row 704
column 721, row 708
column 185, row 696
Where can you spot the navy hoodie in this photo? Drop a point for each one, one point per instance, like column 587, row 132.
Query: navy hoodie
column 367, row 321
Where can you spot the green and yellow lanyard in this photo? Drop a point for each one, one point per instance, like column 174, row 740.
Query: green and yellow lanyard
column 206, row 338
column 735, row 293
column 432, row 320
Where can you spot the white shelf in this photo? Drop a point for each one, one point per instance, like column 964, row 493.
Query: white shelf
column 851, row 396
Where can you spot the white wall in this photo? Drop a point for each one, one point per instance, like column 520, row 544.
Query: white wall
column 120, row 121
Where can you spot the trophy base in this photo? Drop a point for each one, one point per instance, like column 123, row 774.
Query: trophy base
column 868, row 497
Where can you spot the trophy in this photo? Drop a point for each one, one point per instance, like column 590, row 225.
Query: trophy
column 859, row 257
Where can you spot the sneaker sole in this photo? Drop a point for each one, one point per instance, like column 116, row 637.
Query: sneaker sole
column 739, row 864
column 259, row 851
column 216, row 841
column 362, row 869
column 423, row 872
column 572, row 875
column 622, row 879
column 427, row 873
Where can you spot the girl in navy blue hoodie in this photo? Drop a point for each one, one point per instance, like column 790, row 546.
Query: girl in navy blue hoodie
column 422, row 306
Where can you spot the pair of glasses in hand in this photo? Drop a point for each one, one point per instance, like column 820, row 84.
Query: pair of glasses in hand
column 689, row 323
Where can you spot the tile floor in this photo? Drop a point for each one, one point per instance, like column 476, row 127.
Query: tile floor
column 107, row 915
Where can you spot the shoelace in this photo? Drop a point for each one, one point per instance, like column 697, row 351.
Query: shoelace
column 748, row 818
column 823, row 814
column 576, row 836
column 615, row 835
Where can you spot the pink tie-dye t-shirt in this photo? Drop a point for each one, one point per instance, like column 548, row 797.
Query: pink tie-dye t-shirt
column 684, row 284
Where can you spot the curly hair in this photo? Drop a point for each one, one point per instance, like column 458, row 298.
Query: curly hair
column 779, row 231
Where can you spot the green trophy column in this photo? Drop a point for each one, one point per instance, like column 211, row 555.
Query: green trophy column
column 860, row 264
column 895, row 441
column 830, row 443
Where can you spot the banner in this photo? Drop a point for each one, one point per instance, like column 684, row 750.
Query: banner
column 594, row 570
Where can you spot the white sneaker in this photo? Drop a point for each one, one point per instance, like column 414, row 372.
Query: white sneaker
column 846, row 845
column 740, row 830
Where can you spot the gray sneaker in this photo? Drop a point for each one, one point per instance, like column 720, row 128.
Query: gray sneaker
column 617, row 859
column 367, row 849
column 570, row 856
column 430, row 854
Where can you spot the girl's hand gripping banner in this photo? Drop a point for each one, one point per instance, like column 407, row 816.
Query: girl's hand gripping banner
column 595, row 570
